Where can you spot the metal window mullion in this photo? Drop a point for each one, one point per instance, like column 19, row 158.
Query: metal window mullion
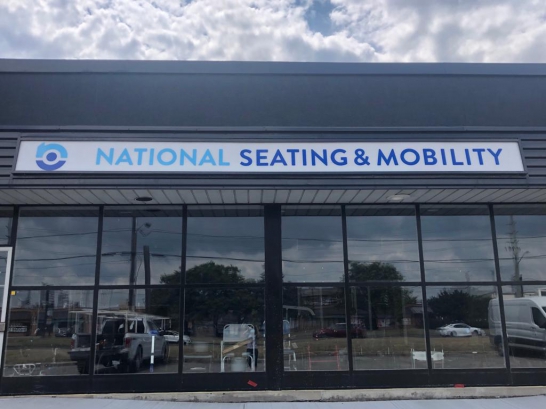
column 182, row 296
column 93, row 339
column 499, row 291
column 13, row 233
column 423, row 289
column 274, row 354
column 348, row 320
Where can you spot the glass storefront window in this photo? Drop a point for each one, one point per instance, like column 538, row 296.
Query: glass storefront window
column 382, row 243
column 56, row 246
column 6, row 215
column 315, row 335
column 457, row 243
column 225, row 244
column 41, row 326
column 3, row 267
column 225, row 330
column 312, row 244
column 134, row 325
column 141, row 245
column 525, row 326
column 521, row 242
column 387, row 327
column 463, row 327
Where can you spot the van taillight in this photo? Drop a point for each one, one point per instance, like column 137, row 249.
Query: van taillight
column 72, row 343
column 128, row 342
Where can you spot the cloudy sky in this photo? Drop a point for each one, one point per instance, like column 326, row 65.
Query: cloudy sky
column 276, row 30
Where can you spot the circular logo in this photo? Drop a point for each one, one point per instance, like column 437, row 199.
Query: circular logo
column 51, row 156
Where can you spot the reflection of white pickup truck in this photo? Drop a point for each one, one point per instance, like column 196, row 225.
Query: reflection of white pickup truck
column 123, row 341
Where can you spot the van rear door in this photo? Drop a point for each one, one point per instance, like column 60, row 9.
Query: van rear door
column 539, row 328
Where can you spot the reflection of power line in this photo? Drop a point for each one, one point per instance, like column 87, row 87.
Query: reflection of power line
column 219, row 236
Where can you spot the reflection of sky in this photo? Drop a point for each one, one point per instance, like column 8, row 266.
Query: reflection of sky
column 387, row 239
column 119, row 299
column 529, row 231
column 458, row 248
column 55, row 251
column 163, row 235
column 231, row 241
column 312, row 248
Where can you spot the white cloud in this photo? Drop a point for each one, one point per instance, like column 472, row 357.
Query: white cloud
column 276, row 30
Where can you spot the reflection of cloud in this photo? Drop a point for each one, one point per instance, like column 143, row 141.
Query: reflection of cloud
column 387, row 239
column 458, row 248
column 531, row 240
column 65, row 257
column 163, row 236
column 312, row 248
column 231, row 241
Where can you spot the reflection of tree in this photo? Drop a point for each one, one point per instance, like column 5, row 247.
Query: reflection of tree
column 379, row 301
column 165, row 302
column 375, row 271
column 451, row 306
column 216, row 304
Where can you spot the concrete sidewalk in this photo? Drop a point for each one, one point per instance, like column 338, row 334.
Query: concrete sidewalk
column 532, row 402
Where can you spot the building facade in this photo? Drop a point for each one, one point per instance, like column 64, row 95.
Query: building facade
column 188, row 226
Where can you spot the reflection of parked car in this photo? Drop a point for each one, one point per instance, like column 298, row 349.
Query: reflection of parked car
column 525, row 323
column 459, row 330
column 174, row 337
column 339, row 330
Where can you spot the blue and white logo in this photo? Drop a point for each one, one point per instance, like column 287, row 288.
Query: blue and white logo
column 51, row 156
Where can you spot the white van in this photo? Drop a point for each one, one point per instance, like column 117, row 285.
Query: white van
column 525, row 323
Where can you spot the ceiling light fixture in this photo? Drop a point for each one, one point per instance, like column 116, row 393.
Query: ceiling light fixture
column 397, row 198
column 143, row 199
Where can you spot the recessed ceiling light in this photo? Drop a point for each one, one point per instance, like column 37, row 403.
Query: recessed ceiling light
column 398, row 198
column 143, row 199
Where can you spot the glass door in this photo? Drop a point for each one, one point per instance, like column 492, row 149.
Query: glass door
column 5, row 270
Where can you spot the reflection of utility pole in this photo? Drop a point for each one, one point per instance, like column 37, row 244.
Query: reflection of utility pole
column 147, row 298
column 132, row 273
column 321, row 308
column 513, row 246
column 369, row 308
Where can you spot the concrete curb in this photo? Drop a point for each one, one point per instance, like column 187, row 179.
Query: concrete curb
column 352, row 395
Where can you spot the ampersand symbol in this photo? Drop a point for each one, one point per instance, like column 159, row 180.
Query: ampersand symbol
column 360, row 159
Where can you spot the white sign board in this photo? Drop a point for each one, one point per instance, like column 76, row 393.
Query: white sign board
column 256, row 157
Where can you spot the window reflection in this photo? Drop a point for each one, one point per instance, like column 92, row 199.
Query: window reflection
column 312, row 243
column 462, row 326
column 225, row 244
column 141, row 245
column 525, row 327
column 56, row 247
column 382, row 243
column 457, row 243
column 137, row 331
column 391, row 320
column 315, row 335
column 41, row 326
column 521, row 242
column 6, row 215
column 224, row 329
column 3, row 266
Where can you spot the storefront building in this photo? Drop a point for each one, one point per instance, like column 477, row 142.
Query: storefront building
column 188, row 226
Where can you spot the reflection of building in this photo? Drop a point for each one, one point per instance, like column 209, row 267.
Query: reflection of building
column 57, row 322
